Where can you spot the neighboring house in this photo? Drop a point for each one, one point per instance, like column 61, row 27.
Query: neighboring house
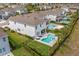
column 20, row 9
column 4, row 43
column 3, row 16
column 28, row 24
column 66, row 9
column 43, row 6
column 7, row 12
column 59, row 18
column 3, row 24
column 52, row 15
column 74, row 9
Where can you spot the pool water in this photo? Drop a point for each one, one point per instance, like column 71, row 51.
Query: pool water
column 52, row 26
column 65, row 22
column 49, row 38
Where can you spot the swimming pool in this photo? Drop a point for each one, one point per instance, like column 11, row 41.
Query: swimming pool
column 55, row 26
column 65, row 22
column 52, row 26
column 48, row 39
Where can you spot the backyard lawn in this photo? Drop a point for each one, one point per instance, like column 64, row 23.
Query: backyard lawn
column 40, row 48
column 27, row 45
column 17, row 38
column 21, row 52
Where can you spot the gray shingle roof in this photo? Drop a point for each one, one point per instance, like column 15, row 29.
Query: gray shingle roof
column 30, row 19
column 34, row 18
column 18, row 7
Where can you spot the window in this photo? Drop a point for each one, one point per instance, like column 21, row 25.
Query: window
column 0, row 17
column 0, row 50
column 8, row 23
column 15, row 22
column 36, row 27
column 18, row 29
column 40, row 25
column 47, row 23
column 25, row 25
column 37, row 33
column 4, row 39
column 4, row 50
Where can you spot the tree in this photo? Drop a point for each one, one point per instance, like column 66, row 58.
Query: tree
column 32, row 8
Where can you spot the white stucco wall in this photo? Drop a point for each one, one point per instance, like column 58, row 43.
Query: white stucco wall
column 20, row 11
column 51, row 17
column 4, row 44
column 66, row 9
column 40, row 28
column 6, row 13
column 28, row 30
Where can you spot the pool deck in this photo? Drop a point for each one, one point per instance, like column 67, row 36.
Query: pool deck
column 57, row 26
column 51, row 44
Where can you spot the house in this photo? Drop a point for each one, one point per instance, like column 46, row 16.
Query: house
column 11, row 11
column 29, row 24
column 4, row 43
column 73, row 9
column 43, row 6
column 59, row 18
column 3, row 24
column 52, row 15
column 1, row 15
column 6, row 13
column 33, row 24
column 66, row 9
column 20, row 9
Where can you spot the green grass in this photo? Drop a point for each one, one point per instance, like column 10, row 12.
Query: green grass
column 32, row 8
column 21, row 52
column 40, row 48
column 55, row 31
column 17, row 38
column 28, row 47
column 18, row 41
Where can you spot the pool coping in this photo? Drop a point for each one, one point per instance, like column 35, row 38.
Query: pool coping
column 49, row 44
